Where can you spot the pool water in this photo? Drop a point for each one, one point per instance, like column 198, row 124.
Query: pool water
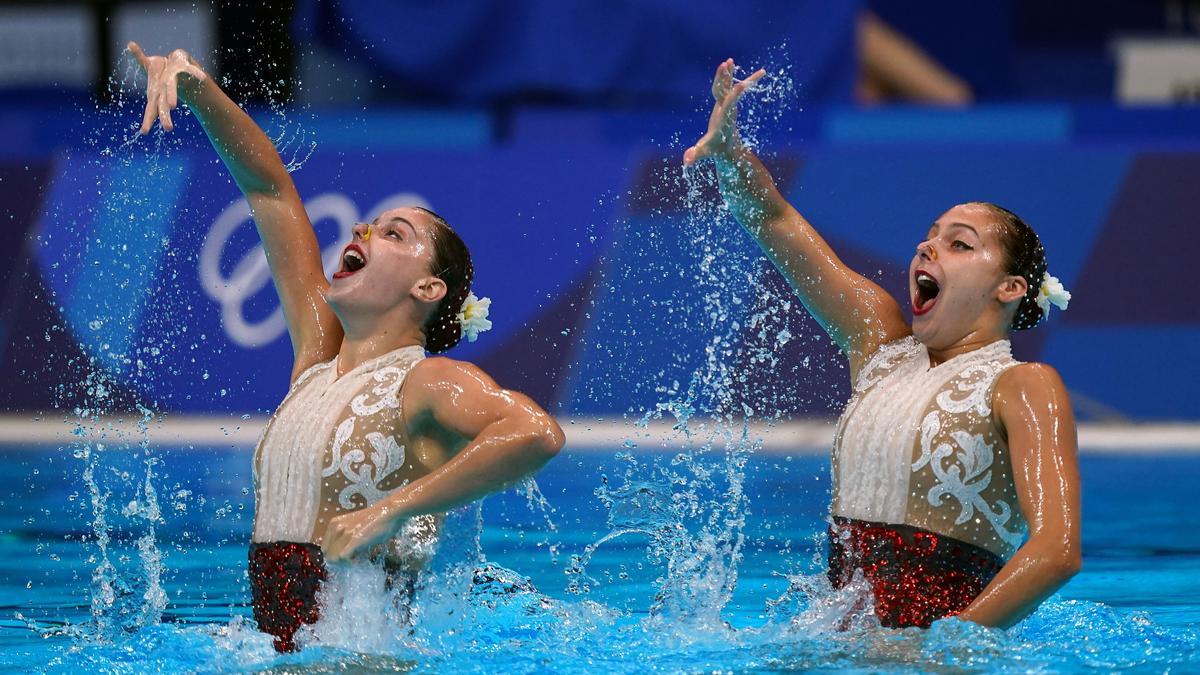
column 732, row 585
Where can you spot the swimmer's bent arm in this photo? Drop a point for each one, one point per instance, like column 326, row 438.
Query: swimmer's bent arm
column 1032, row 405
column 509, row 437
column 856, row 312
column 293, row 253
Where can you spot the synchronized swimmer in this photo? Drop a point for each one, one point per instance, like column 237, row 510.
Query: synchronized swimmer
column 949, row 450
column 374, row 442
column 956, row 487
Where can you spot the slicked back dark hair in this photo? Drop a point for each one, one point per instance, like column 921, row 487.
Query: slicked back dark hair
column 1025, row 257
column 452, row 264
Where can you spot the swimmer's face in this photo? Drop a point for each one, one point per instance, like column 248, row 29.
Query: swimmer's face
column 381, row 270
column 957, row 282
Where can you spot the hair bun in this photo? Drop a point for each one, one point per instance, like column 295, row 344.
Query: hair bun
column 1024, row 257
column 445, row 330
column 452, row 264
column 1029, row 313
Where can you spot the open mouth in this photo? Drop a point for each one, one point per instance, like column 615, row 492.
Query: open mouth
column 927, row 292
column 353, row 260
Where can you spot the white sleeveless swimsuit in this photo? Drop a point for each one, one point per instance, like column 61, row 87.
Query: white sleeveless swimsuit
column 336, row 445
column 917, row 446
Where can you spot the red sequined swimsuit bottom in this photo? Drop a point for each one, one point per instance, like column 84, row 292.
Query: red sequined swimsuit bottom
column 917, row 576
column 284, row 579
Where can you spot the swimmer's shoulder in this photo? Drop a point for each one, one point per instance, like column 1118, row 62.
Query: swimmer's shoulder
column 450, row 391
column 1027, row 392
column 434, row 370
column 1028, row 378
column 435, row 377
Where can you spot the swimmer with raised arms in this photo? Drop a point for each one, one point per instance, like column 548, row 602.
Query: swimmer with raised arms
column 374, row 442
column 956, row 486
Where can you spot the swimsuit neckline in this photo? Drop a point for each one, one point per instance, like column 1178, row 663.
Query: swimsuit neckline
column 1003, row 345
column 373, row 363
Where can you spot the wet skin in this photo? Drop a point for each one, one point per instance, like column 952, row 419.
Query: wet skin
column 477, row 436
column 974, row 306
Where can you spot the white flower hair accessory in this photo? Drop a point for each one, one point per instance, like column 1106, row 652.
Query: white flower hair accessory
column 1052, row 292
column 473, row 318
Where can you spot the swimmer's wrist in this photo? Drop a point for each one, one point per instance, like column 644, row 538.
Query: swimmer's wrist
column 396, row 507
column 191, row 89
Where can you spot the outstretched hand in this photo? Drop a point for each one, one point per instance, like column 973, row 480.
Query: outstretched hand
column 722, row 123
column 162, row 83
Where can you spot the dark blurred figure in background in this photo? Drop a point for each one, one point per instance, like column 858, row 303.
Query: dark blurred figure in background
column 894, row 68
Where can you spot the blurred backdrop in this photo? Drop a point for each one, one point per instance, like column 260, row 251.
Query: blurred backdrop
column 549, row 134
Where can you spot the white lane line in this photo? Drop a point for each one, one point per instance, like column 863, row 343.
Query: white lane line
column 791, row 437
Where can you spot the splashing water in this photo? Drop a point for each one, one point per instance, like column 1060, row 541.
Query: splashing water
column 117, row 606
column 112, row 281
column 689, row 505
column 692, row 512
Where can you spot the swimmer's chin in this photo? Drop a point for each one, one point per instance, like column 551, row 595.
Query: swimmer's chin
column 339, row 290
column 924, row 329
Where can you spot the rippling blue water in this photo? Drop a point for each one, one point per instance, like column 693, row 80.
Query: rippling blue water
column 1135, row 605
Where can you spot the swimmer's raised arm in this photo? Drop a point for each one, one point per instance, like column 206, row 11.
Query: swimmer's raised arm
column 856, row 312
column 293, row 253
column 509, row 438
column 1031, row 402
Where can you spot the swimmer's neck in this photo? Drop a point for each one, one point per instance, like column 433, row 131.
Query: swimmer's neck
column 967, row 343
column 358, row 348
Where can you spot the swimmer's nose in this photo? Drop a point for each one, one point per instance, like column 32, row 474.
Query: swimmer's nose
column 926, row 251
column 360, row 230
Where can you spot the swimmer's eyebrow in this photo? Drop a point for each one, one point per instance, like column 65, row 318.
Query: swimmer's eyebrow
column 401, row 219
column 966, row 226
column 933, row 228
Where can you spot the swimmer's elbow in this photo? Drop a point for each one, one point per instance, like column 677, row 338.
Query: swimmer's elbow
column 1064, row 564
column 1073, row 564
column 540, row 435
column 549, row 440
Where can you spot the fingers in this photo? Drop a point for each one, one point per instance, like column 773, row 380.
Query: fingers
column 164, row 116
column 724, row 83
column 168, row 98
column 162, row 84
column 137, row 52
column 335, row 551
column 195, row 72
column 172, row 91
column 723, row 79
column 342, row 540
column 148, row 116
column 736, row 91
column 717, row 91
column 755, row 77
column 151, row 94
column 334, row 544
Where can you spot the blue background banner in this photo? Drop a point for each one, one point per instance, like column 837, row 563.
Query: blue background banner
column 142, row 264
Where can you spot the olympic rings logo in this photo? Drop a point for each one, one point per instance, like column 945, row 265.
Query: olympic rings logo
column 250, row 274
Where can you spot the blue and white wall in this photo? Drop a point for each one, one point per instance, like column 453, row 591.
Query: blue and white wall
column 140, row 262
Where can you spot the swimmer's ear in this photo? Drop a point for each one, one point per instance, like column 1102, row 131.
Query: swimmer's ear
column 1012, row 288
column 429, row 289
